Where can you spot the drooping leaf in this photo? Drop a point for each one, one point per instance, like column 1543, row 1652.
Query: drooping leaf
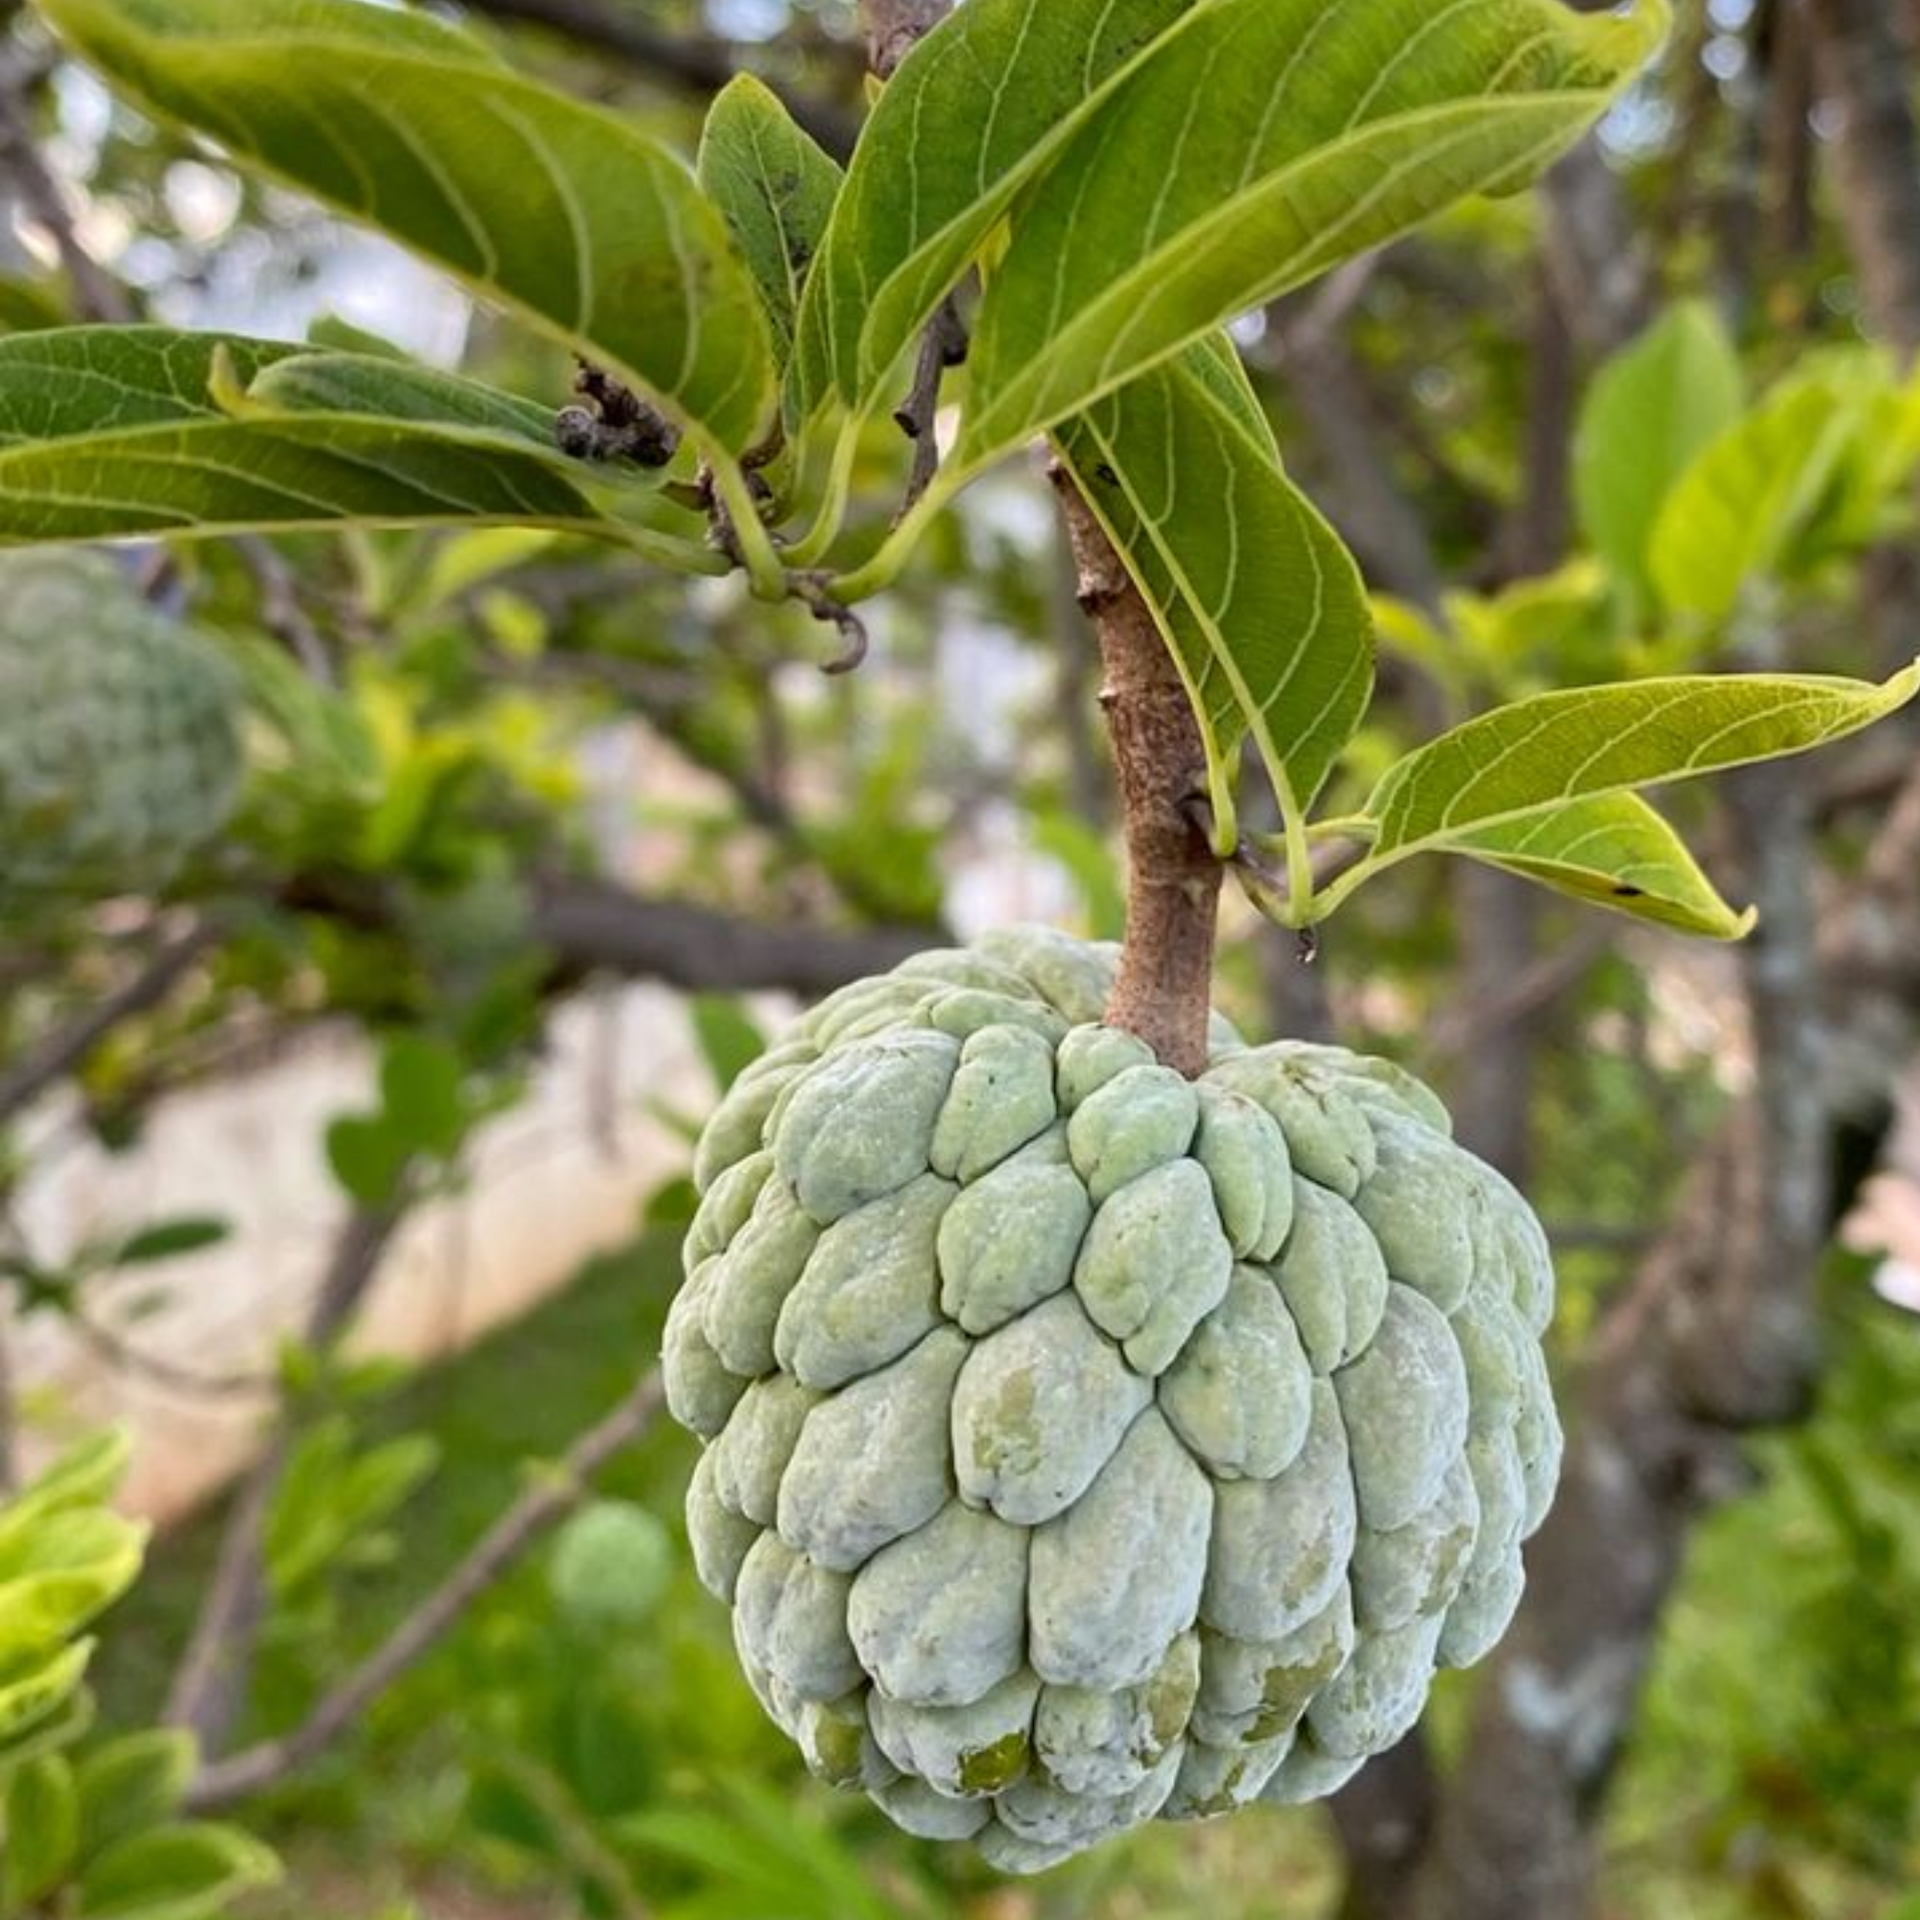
column 1006, row 83
column 169, row 1240
column 1732, row 518
column 1612, row 851
column 562, row 212
column 1263, row 607
column 776, row 188
column 1650, row 411
column 1285, row 137
column 1537, row 754
column 183, row 1872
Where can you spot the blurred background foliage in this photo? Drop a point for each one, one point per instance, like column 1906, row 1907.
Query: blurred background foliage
column 486, row 768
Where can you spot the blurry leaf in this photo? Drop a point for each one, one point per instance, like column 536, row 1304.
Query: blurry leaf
column 1545, row 628
column 776, row 189
column 1536, row 754
column 59, row 1571
column 1611, row 851
column 339, row 335
column 31, row 1688
column 563, row 212
column 1732, row 518
column 1261, row 603
column 1007, row 82
column 1650, row 411
column 463, row 561
column 175, row 1873
column 1089, row 860
column 169, row 1240
column 332, row 1499
column 131, row 1783
column 421, row 1082
column 368, row 1157
column 1374, row 120
column 42, row 1828
column 610, row 1566
column 730, row 1040
column 87, row 1473
column 329, row 744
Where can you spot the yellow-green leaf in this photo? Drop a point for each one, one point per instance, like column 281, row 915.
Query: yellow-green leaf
column 1612, row 851
column 1537, row 754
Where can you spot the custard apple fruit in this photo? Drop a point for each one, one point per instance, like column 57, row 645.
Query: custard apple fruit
column 1085, row 1445
column 119, row 737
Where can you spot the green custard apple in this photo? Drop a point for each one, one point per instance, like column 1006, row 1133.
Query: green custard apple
column 120, row 748
column 1086, row 1445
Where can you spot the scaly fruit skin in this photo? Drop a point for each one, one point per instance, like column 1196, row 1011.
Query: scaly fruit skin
column 1086, row 1445
column 119, row 739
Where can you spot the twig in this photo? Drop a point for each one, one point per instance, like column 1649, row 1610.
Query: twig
column 280, row 610
column 58, row 1053
column 96, row 293
column 895, row 27
column 699, row 64
column 120, row 1352
column 811, row 590
column 943, row 345
column 531, row 1515
column 210, row 1686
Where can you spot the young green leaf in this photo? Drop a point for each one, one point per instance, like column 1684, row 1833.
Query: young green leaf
column 1006, row 83
column 1651, row 410
column 1263, row 607
column 1533, row 756
column 562, row 212
column 1732, row 518
column 1286, row 136
column 776, row 189
column 397, row 390
column 1612, row 851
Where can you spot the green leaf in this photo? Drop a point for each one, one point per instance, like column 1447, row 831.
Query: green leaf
column 1265, row 144
column 1612, row 851
column 73, row 381
column 42, row 1827
column 730, row 1040
column 26, row 306
column 89, row 1472
column 1732, row 519
column 369, row 1157
column 108, row 432
column 130, row 1784
column 1006, row 83
column 183, row 1872
column 421, row 1083
column 169, row 1240
column 561, row 212
column 776, row 189
column 1651, row 410
column 1263, row 607
column 1535, row 755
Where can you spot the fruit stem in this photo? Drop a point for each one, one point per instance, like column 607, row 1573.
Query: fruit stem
column 1164, row 994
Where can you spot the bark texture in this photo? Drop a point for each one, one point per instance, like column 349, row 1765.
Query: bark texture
column 1165, row 990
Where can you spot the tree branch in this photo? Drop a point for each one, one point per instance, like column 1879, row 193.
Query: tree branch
column 209, row 1688
column 1165, row 989
column 697, row 64
column 56, row 1054
column 531, row 1515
